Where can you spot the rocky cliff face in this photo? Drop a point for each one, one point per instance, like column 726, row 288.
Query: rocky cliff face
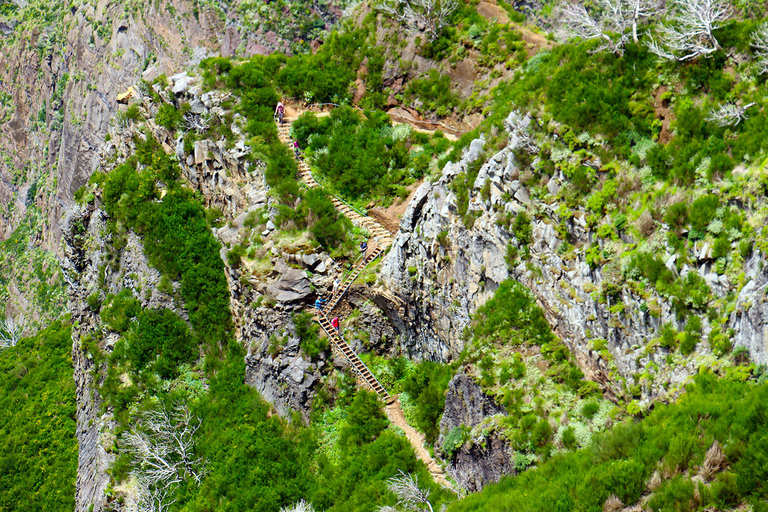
column 486, row 457
column 439, row 271
column 62, row 66
column 87, row 270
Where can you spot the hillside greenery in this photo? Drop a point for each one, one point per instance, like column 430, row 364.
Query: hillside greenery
column 38, row 448
column 255, row 460
column 669, row 452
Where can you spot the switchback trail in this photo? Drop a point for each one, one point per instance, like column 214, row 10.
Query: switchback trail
column 382, row 239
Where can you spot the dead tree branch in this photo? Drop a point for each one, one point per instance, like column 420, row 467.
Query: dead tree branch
column 163, row 445
column 691, row 34
column 608, row 21
column 409, row 495
column 729, row 114
column 299, row 506
column 429, row 16
column 760, row 44
column 11, row 331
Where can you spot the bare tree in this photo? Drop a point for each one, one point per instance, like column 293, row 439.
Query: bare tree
column 428, row 16
column 152, row 499
column 409, row 495
column 197, row 123
column 691, row 34
column 299, row 506
column 578, row 22
column 728, row 114
column 163, row 445
column 607, row 21
column 11, row 331
column 760, row 43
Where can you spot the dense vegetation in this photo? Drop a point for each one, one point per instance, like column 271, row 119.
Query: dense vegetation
column 365, row 156
column 299, row 208
column 161, row 360
column 38, row 448
column 669, row 445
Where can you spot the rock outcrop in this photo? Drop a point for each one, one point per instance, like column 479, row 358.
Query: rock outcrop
column 485, row 458
column 441, row 268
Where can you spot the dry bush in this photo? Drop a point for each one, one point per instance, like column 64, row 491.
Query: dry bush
column 714, row 461
column 645, row 223
column 612, row 504
column 655, row 481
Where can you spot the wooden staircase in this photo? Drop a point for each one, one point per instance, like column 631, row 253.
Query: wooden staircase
column 372, row 255
column 381, row 235
column 382, row 240
column 341, row 347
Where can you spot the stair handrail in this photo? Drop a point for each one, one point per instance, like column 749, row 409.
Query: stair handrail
column 335, row 299
column 341, row 338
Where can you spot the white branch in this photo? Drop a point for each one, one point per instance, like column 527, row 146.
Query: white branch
column 299, row 506
column 728, row 114
column 428, row 16
column 608, row 21
column 11, row 331
column 690, row 35
column 409, row 495
column 760, row 43
column 164, row 450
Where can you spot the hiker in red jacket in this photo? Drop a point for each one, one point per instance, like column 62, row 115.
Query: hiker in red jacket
column 335, row 323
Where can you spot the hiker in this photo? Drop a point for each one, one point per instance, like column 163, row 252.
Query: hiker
column 319, row 304
column 336, row 284
column 280, row 112
column 296, row 148
column 363, row 246
column 335, row 323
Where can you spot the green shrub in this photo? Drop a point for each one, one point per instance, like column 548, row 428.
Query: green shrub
column 455, row 440
column 569, row 438
column 168, row 117
column 677, row 216
column 427, row 387
column 703, row 211
column 675, row 495
column 365, row 421
column 590, row 409
column 521, row 228
column 308, row 331
column 38, row 447
column 434, row 91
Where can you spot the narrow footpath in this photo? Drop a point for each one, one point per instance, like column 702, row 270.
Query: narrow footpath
column 382, row 239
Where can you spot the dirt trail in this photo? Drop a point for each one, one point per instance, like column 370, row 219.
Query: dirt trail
column 396, row 416
column 393, row 409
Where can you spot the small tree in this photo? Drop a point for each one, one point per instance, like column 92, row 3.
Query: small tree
column 691, row 34
column 409, row 495
column 11, row 331
column 428, row 16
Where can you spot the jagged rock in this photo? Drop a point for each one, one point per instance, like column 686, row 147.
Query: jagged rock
column 553, row 186
column 475, row 150
column 466, row 404
column 180, row 83
column 292, row 286
column 196, row 107
column 473, row 465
